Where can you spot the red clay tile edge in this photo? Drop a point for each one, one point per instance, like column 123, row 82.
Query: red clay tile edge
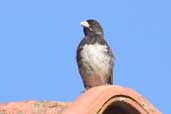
column 33, row 107
column 96, row 100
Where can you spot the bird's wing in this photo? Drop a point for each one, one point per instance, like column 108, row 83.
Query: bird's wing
column 111, row 62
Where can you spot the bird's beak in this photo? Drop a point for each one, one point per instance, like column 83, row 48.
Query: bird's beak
column 85, row 24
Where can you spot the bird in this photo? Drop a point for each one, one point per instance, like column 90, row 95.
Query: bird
column 95, row 59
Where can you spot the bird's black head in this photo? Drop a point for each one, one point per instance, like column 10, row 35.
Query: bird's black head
column 92, row 27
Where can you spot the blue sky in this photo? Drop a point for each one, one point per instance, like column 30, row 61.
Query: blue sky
column 38, row 41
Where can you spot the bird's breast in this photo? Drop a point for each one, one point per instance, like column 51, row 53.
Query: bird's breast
column 95, row 58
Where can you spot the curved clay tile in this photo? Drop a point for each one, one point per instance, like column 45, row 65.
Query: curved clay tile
column 98, row 100
column 111, row 100
column 33, row 107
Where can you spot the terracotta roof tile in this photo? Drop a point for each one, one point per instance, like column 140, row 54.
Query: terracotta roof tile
column 98, row 100
column 33, row 107
column 111, row 100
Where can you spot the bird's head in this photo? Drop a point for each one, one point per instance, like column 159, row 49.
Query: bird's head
column 91, row 27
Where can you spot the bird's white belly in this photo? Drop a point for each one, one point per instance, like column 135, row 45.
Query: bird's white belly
column 95, row 57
